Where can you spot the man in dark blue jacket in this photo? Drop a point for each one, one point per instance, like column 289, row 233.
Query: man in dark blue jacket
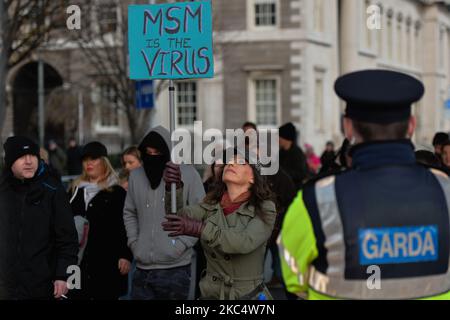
column 38, row 239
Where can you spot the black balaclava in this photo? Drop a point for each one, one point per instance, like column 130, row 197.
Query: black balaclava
column 154, row 165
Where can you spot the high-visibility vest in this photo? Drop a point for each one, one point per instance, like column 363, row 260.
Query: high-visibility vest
column 336, row 255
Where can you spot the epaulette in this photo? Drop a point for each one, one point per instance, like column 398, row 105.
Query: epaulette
column 312, row 181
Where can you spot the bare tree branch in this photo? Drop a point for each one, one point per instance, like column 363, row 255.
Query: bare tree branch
column 26, row 24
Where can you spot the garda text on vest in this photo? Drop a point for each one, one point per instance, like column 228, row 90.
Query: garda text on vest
column 398, row 245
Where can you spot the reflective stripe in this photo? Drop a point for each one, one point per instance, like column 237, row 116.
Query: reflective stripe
column 290, row 261
column 331, row 226
column 334, row 284
column 405, row 288
column 444, row 181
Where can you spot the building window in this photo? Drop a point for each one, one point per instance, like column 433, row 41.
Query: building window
column 319, row 101
column 107, row 17
column 186, row 103
column 266, row 102
column 318, row 16
column 265, row 13
column 109, row 112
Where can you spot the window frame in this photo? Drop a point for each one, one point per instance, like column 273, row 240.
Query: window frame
column 99, row 23
column 252, row 107
column 99, row 126
column 189, row 127
column 251, row 16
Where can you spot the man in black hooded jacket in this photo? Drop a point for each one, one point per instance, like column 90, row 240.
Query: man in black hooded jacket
column 38, row 239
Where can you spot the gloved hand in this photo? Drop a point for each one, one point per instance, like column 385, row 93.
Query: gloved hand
column 172, row 174
column 182, row 225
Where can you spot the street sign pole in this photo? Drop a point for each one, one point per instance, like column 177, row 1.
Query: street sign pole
column 80, row 118
column 173, row 187
column 41, row 110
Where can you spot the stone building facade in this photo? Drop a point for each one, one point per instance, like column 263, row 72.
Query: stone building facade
column 277, row 60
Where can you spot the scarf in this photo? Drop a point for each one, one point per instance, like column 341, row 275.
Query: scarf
column 229, row 206
column 92, row 189
column 154, row 168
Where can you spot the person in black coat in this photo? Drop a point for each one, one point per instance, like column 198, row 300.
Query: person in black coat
column 97, row 196
column 327, row 158
column 74, row 167
column 292, row 158
column 38, row 240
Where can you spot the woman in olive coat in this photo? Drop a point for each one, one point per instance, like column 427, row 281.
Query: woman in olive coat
column 234, row 222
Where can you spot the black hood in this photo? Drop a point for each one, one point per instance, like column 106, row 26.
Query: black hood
column 154, row 165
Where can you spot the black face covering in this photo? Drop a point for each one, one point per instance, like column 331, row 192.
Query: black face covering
column 154, row 168
column 154, row 165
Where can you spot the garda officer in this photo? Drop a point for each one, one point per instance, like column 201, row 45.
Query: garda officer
column 381, row 229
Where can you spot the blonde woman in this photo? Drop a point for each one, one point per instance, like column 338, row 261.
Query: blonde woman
column 131, row 159
column 97, row 197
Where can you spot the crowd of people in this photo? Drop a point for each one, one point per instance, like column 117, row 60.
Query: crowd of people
column 120, row 229
column 125, row 239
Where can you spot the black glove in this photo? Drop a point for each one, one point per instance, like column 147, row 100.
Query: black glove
column 183, row 225
column 172, row 174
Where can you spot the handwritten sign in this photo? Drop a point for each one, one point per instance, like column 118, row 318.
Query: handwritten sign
column 170, row 41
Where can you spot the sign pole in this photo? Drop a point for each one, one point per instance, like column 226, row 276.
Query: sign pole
column 173, row 187
column 41, row 111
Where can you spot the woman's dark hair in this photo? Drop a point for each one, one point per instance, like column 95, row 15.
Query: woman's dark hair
column 251, row 125
column 428, row 158
column 260, row 192
column 444, row 145
column 213, row 177
column 440, row 138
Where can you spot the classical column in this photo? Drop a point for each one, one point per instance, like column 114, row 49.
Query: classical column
column 349, row 35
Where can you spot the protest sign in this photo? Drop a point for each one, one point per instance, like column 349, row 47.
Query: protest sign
column 170, row 41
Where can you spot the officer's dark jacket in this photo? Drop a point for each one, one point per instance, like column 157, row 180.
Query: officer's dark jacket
column 38, row 239
column 386, row 188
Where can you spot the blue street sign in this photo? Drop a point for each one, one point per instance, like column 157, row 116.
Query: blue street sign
column 447, row 104
column 144, row 94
